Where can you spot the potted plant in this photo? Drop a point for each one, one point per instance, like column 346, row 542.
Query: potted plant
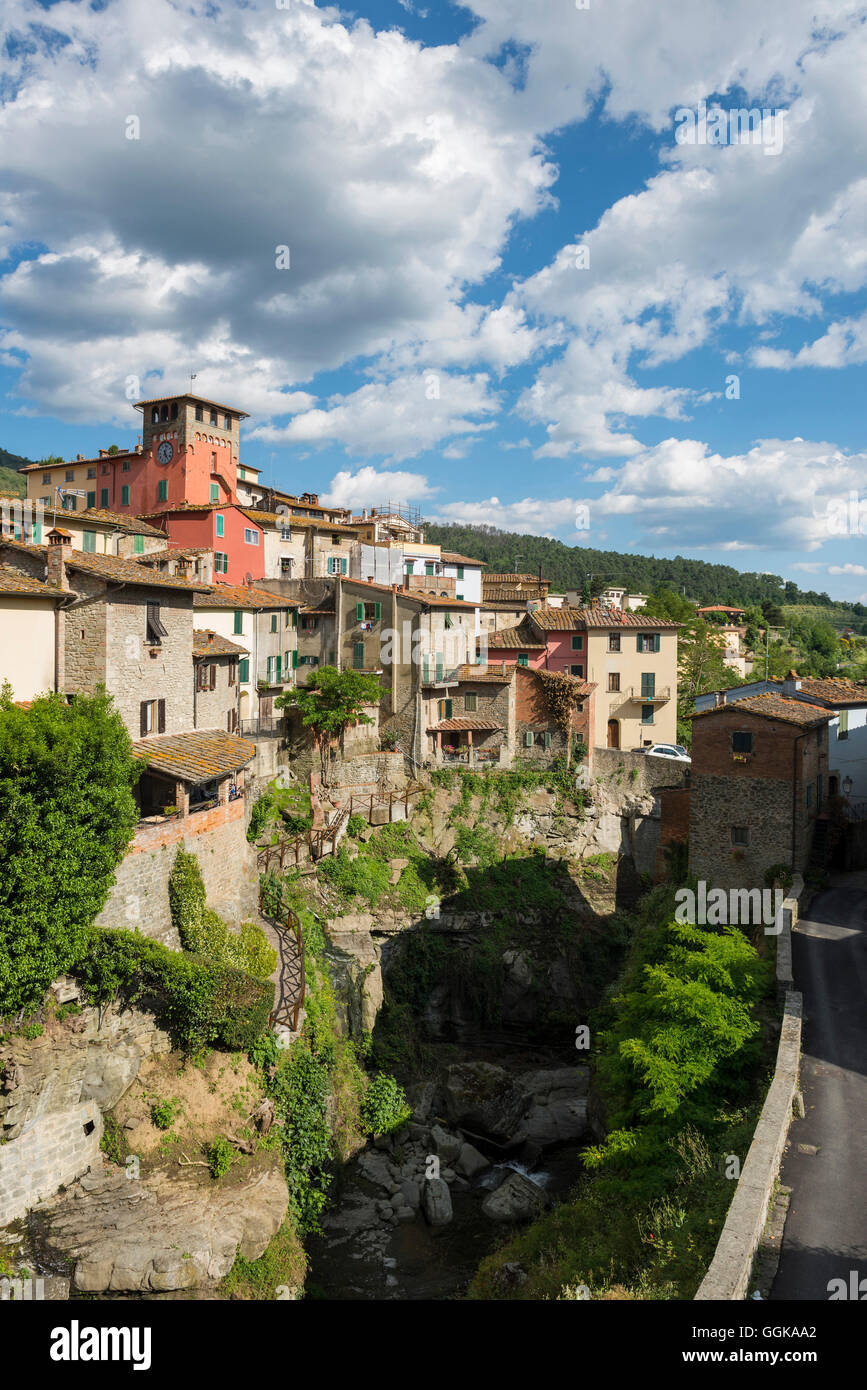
column 170, row 810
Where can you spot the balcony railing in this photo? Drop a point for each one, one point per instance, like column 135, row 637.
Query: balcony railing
column 645, row 697
column 265, row 724
column 438, row 675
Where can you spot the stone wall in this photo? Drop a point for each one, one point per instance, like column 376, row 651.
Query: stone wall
column 717, row 804
column 140, row 897
column 673, row 825
column 641, row 774
column 53, row 1092
column 214, row 706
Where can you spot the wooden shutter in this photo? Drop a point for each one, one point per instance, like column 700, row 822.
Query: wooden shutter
column 342, row 566
column 448, row 705
column 143, row 718
column 547, row 739
column 161, row 716
column 295, row 659
column 377, row 611
column 656, row 641
column 358, row 656
column 294, row 617
column 359, row 612
column 213, row 683
column 528, row 739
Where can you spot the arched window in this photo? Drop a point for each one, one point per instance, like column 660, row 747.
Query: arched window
column 155, row 415
column 165, row 413
column 174, row 410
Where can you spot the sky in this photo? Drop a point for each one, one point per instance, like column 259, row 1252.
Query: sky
column 520, row 264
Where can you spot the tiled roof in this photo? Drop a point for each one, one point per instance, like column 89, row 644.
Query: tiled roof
column 283, row 519
column 242, row 596
column 11, row 582
column 513, row 605
column 581, row 687
column 521, row 638
column 618, row 617
column 772, row 706
column 79, row 463
column 495, row 675
column 719, row 608
column 60, row 531
column 171, row 552
column 511, row 593
column 504, row 577
column 836, row 690
column 467, row 722
column 188, row 396
column 190, row 507
column 133, row 524
column 119, row 571
column 208, row 643
column 195, row 757
column 558, row 619
column 451, row 558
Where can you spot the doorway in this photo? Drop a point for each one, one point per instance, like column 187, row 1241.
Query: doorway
column 614, row 733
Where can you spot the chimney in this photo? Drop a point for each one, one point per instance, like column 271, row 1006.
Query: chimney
column 56, row 555
column 79, row 458
column 103, row 453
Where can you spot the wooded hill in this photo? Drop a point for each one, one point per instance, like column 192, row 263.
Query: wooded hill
column 567, row 567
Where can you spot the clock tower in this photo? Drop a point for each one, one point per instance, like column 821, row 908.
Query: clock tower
column 189, row 454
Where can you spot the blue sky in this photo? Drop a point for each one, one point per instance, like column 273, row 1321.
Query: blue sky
column 511, row 291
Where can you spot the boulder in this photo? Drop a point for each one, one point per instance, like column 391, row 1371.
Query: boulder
column 516, row 1199
column 470, row 1161
column 484, row 1099
column 436, row 1202
column 411, row 1194
column 446, row 1146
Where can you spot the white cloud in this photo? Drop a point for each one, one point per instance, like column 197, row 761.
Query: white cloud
column 847, row 569
column 369, row 488
column 533, row 516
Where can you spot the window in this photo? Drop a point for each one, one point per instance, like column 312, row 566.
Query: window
column 273, row 622
column 460, row 571
column 336, row 565
column 309, row 624
column 528, row 738
column 444, row 709
column 45, row 501
column 88, row 542
column 471, row 703
column 70, row 475
column 460, row 598
column 154, row 627
column 647, row 714
column 215, row 492
column 648, row 641
column 843, row 724
column 429, row 569
column 244, row 669
column 523, row 658
column 155, row 415
column 448, row 620
column 106, row 468
column 37, row 533
column 200, row 413
column 740, row 835
column 103, row 497
column 91, row 472
column 174, row 410
column 578, row 641
column 124, row 467
column 614, row 680
column 163, row 490
column 742, row 742
column 221, row 524
column 213, row 417
column 70, row 504
column 648, row 685
column 152, row 717
column 250, row 537
column 227, row 422
column 358, row 656
column 238, row 621
column 285, row 533
column 221, row 562
column 91, row 499
column 576, row 671
column 614, row 641
column 164, row 412
column 46, row 477
column 335, row 540
column 138, row 545
column 368, row 612
column 124, row 495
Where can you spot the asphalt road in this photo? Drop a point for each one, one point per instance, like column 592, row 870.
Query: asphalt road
column 826, row 1227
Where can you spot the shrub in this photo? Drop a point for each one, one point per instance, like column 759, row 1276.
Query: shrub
column 384, row 1108
column 220, row 1155
column 165, row 1112
column 203, row 931
column 355, row 825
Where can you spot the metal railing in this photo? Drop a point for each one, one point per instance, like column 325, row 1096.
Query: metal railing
column 655, row 697
column 292, row 983
column 264, row 724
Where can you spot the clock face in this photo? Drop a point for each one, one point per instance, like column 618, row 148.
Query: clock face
column 165, row 452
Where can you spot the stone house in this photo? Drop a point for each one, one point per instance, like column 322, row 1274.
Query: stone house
column 506, row 598
column 538, row 738
column 473, row 722
column 216, row 688
column 759, row 784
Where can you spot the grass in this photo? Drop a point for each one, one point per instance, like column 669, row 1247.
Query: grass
column 275, row 1275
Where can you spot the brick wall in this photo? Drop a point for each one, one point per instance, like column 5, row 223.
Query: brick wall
column 674, row 825
column 48, row 1156
column 140, row 896
column 533, row 715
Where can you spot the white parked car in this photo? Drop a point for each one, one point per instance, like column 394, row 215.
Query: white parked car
column 669, row 750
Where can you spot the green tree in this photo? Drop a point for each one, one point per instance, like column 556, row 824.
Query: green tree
column 329, row 702
column 66, row 778
column 700, row 656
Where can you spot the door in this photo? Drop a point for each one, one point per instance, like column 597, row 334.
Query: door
column 614, row 733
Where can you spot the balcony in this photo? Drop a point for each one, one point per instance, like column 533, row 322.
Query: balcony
column 439, row 677
column 655, row 697
column 436, row 584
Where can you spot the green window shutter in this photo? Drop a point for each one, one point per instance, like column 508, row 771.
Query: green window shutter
column 647, row 714
column 578, row 642
column 428, row 569
column 471, row 703
column 343, row 564
column 460, row 598
column 163, row 490
column 425, row 670
column 221, row 524
column 358, row 656
column 528, row 739
column 215, row 492
column 523, row 659
column 448, row 620
column 294, row 659
column 103, row 497
column 89, row 541
column 138, row 545
column 377, row 611
column 439, row 667
column 656, row 641
column 359, row 612
column 238, row 625
column 37, row 532
column 448, row 713
column 460, row 571
column 91, row 499
column 638, row 646
column 244, row 669
column 279, row 663
column 124, row 495
column 648, row 685
column 547, row 738
column 294, row 617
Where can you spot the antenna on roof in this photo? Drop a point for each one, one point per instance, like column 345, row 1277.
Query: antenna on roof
column 192, row 379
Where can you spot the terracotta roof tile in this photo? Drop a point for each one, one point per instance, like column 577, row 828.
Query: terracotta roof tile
column 195, row 757
column 773, row 706
column 133, row 524
column 467, row 722
column 494, row 674
column 451, row 558
column 521, row 638
column 208, row 643
column 11, row 582
column 241, row 596
column 119, row 571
